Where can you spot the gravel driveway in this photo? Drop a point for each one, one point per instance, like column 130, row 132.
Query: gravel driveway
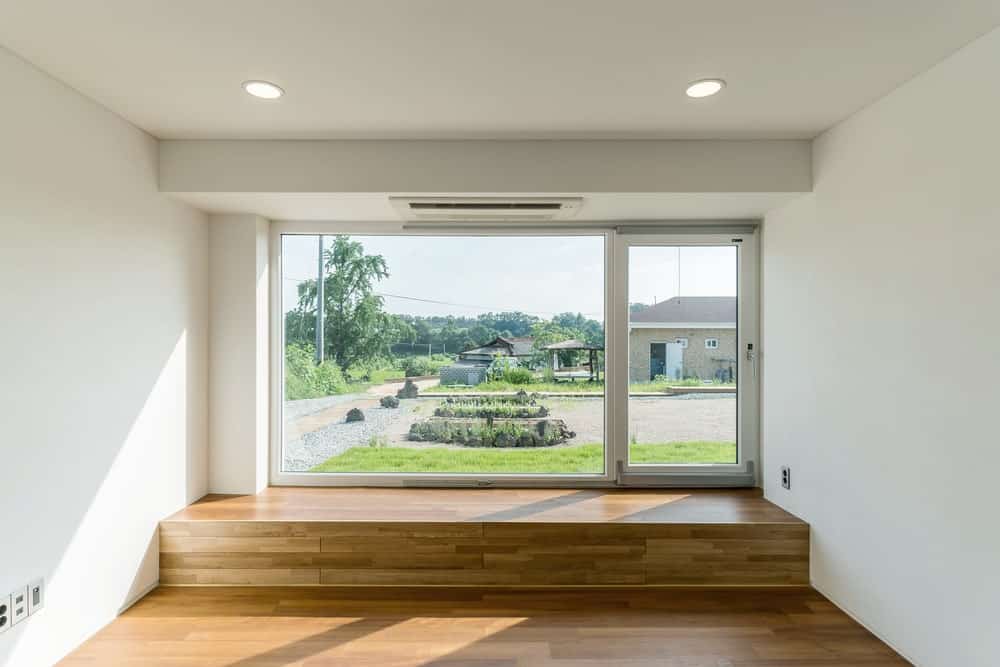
column 315, row 429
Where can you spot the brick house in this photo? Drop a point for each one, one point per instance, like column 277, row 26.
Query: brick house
column 686, row 336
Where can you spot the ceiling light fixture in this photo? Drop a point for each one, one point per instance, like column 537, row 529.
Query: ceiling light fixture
column 705, row 87
column 263, row 89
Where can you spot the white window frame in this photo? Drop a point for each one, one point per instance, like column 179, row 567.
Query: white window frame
column 616, row 237
column 745, row 472
column 715, row 343
column 683, row 342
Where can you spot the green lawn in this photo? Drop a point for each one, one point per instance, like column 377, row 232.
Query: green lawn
column 563, row 387
column 499, row 385
column 579, row 459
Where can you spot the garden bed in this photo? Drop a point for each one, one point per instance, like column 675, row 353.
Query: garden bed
column 492, row 433
column 519, row 406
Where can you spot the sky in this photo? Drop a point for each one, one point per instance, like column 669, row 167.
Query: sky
column 539, row 275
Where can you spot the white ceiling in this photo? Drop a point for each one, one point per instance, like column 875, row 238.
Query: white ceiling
column 488, row 69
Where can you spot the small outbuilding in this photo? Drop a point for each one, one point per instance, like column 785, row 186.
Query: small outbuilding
column 589, row 370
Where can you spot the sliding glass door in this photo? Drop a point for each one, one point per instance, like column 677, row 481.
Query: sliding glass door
column 485, row 356
column 688, row 324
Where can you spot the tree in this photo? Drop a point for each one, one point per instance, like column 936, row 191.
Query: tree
column 356, row 328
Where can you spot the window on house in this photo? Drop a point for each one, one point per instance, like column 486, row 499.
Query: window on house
column 683, row 342
column 711, row 343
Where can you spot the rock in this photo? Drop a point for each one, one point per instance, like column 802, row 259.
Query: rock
column 389, row 402
column 409, row 390
column 354, row 415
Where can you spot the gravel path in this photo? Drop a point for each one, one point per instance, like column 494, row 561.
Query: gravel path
column 315, row 447
column 315, row 430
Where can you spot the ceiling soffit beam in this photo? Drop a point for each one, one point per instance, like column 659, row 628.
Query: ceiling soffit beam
column 522, row 167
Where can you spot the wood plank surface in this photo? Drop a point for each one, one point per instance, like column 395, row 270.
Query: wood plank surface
column 491, row 505
column 496, row 537
column 448, row 627
column 484, row 554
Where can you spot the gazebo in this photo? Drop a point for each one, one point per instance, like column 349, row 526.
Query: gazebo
column 589, row 371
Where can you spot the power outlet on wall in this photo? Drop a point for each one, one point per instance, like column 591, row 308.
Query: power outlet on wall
column 5, row 622
column 786, row 477
column 18, row 605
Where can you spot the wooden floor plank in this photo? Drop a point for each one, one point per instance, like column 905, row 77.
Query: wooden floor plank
column 485, row 537
column 491, row 505
column 407, row 627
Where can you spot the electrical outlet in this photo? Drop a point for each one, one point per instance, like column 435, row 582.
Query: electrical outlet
column 36, row 596
column 5, row 613
column 786, row 477
column 19, row 605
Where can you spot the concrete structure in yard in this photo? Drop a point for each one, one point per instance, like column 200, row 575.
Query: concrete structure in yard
column 684, row 337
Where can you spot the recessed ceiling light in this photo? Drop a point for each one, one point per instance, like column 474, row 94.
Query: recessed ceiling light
column 705, row 87
column 263, row 89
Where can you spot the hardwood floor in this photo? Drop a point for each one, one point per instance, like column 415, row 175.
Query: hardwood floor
column 485, row 538
column 464, row 627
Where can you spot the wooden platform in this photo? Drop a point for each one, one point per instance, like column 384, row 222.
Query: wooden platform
column 488, row 537
column 446, row 627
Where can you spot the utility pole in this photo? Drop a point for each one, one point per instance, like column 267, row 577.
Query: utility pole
column 319, row 305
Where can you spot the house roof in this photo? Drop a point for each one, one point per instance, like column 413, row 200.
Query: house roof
column 522, row 346
column 689, row 309
column 572, row 344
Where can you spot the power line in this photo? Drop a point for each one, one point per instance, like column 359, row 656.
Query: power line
column 462, row 305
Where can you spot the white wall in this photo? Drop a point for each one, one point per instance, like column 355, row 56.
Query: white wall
column 238, row 387
column 879, row 291
column 474, row 167
column 103, row 284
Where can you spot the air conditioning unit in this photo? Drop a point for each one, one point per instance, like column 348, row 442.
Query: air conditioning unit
column 494, row 209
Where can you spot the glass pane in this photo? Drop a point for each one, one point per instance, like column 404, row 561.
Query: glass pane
column 443, row 354
column 682, row 354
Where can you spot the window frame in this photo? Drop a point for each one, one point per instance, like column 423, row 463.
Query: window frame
column 616, row 237
column 279, row 477
column 745, row 472
column 715, row 342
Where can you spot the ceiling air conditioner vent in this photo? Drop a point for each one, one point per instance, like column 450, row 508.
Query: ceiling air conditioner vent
column 494, row 209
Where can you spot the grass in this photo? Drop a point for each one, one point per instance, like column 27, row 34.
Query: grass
column 578, row 459
column 565, row 387
column 531, row 387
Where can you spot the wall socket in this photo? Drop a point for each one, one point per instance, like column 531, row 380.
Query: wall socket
column 18, row 605
column 21, row 604
column 786, row 477
column 5, row 623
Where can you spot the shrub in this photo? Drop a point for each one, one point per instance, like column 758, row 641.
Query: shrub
column 517, row 376
column 417, row 366
column 504, row 410
column 304, row 379
column 389, row 402
column 422, row 365
column 542, row 433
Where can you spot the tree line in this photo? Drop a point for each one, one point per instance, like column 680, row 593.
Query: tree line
column 358, row 330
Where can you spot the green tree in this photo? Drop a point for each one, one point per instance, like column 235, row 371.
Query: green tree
column 356, row 327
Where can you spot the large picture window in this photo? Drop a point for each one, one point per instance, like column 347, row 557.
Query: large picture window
column 465, row 355
column 443, row 355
